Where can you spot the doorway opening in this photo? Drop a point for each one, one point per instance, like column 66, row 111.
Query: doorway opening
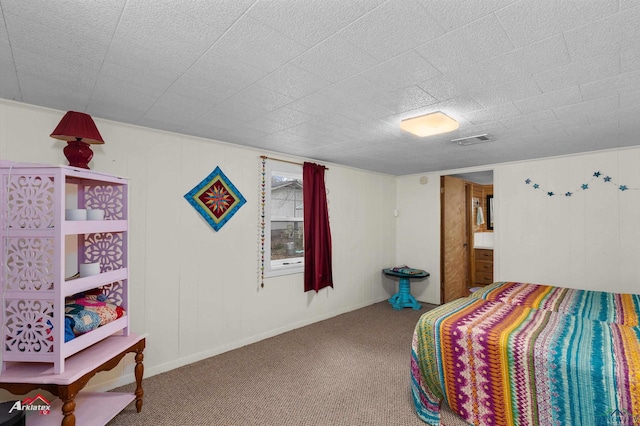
column 466, row 234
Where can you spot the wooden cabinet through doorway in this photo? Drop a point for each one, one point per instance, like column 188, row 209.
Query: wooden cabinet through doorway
column 483, row 267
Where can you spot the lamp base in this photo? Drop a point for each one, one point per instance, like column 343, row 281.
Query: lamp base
column 78, row 153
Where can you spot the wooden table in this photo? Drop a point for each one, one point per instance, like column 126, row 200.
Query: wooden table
column 95, row 408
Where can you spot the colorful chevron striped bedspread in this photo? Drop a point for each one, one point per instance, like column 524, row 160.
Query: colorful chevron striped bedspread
column 597, row 305
column 496, row 363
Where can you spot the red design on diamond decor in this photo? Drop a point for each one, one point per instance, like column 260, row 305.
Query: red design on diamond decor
column 217, row 199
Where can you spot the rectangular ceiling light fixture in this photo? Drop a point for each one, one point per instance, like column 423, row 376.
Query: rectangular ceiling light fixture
column 430, row 124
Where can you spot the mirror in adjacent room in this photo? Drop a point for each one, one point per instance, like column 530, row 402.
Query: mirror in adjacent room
column 490, row 212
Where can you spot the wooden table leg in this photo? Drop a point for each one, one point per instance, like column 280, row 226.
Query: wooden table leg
column 68, row 407
column 139, row 371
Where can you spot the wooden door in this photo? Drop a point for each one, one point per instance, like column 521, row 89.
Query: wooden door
column 454, row 239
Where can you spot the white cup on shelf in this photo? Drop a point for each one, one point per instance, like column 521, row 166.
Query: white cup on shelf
column 89, row 269
column 75, row 214
column 95, row 214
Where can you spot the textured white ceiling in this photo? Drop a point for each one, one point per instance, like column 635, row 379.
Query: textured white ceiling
column 330, row 80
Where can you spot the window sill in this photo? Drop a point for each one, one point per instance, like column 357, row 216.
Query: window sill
column 278, row 271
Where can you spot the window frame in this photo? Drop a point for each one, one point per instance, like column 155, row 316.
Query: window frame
column 279, row 267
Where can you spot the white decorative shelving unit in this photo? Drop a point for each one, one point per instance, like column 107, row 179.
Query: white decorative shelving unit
column 36, row 245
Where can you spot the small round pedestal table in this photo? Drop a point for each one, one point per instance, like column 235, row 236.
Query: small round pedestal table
column 403, row 298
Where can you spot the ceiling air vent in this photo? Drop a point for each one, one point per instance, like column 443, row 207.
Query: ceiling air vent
column 472, row 140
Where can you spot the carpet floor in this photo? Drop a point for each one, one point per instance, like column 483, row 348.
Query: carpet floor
column 352, row 369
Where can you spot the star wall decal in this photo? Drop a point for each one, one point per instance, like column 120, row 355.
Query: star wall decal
column 595, row 177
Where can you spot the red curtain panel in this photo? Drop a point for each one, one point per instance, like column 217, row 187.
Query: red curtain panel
column 317, row 232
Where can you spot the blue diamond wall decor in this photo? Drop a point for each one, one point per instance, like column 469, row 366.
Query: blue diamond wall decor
column 216, row 199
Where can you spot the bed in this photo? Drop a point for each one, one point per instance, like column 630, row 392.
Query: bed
column 597, row 305
column 529, row 354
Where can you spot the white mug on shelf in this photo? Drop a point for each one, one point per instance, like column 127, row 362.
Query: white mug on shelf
column 95, row 214
column 89, row 269
column 75, row 214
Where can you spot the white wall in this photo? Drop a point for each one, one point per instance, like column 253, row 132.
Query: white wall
column 589, row 240
column 193, row 290
column 418, row 232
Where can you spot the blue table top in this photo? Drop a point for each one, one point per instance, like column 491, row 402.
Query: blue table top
column 406, row 272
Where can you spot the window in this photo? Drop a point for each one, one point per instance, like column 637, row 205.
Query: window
column 284, row 239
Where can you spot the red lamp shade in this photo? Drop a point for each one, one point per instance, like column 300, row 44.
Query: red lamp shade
column 79, row 130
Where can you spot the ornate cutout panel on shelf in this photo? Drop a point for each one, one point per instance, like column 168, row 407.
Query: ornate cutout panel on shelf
column 110, row 198
column 106, row 248
column 28, row 325
column 30, row 264
column 114, row 292
column 30, row 201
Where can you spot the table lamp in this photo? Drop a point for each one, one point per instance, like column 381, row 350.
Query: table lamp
column 79, row 130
